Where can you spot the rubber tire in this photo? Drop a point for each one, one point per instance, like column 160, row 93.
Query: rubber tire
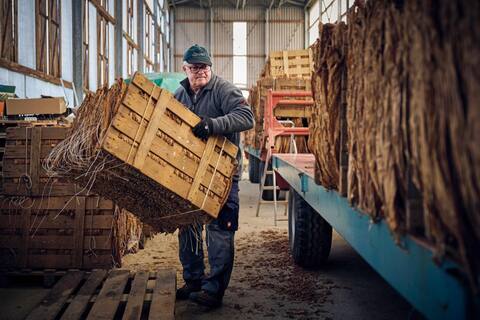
column 310, row 236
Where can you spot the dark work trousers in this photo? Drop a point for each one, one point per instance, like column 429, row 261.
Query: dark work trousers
column 220, row 245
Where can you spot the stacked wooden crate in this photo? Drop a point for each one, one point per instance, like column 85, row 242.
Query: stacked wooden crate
column 283, row 71
column 291, row 64
column 143, row 155
column 4, row 125
column 49, row 223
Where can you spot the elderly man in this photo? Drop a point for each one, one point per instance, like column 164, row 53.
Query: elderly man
column 224, row 111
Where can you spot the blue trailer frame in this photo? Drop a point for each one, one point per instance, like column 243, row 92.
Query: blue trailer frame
column 408, row 266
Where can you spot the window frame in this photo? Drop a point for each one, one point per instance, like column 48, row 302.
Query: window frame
column 148, row 40
column 12, row 27
column 48, row 61
column 103, row 49
column 86, row 45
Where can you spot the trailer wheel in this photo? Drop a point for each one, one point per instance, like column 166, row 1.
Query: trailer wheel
column 310, row 235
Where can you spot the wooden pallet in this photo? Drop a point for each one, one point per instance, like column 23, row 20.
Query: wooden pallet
column 292, row 63
column 45, row 277
column 118, row 294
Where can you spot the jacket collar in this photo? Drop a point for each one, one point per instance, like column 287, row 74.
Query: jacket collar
column 186, row 84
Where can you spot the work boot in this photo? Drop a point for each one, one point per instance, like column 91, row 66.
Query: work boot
column 183, row 293
column 206, row 299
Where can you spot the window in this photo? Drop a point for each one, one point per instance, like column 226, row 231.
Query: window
column 8, row 30
column 85, row 52
column 240, row 54
column 102, row 50
column 48, row 37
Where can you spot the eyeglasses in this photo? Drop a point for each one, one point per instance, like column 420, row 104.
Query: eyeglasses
column 197, row 69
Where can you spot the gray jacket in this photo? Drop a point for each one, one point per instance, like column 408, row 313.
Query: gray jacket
column 224, row 104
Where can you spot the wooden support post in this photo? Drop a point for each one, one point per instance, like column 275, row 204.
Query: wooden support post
column 119, row 39
column 78, row 11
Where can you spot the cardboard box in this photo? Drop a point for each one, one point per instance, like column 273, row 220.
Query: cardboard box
column 36, row 106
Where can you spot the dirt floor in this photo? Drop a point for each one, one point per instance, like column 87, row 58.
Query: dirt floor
column 266, row 284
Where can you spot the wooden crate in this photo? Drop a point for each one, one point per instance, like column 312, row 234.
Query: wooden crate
column 36, row 233
column 5, row 124
column 151, row 131
column 292, row 63
column 118, row 294
column 289, row 111
column 25, row 149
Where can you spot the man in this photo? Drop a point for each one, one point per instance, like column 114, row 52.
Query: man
column 224, row 111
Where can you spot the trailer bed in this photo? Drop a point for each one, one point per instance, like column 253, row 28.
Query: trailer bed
column 407, row 264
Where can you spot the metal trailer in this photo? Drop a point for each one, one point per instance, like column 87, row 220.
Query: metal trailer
column 435, row 289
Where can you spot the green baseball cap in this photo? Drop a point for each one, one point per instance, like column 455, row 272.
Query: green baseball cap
column 197, row 54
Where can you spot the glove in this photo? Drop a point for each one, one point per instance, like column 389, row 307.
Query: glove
column 203, row 129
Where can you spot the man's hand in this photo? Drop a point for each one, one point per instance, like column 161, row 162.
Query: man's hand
column 203, row 129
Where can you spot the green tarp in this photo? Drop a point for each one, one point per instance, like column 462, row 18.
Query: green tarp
column 166, row 80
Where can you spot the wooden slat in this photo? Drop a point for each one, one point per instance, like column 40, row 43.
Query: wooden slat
column 57, row 241
column 80, row 302
column 23, row 256
column 136, row 297
column 204, row 162
column 103, row 260
column 78, row 231
column 13, row 66
column 151, row 130
column 109, row 297
column 14, row 188
column 54, row 301
column 163, row 297
column 48, row 133
column 35, row 145
column 292, row 112
column 18, row 151
column 60, row 222
column 57, row 203
column 285, row 62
